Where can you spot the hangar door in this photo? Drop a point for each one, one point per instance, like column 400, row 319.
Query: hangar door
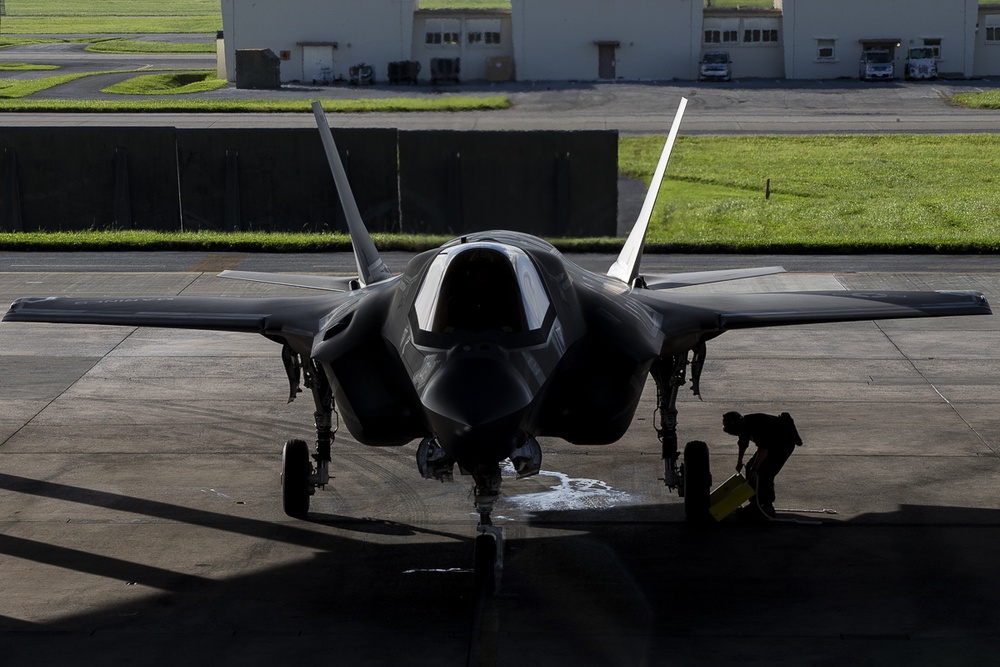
column 606, row 60
column 317, row 62
column 881, row 45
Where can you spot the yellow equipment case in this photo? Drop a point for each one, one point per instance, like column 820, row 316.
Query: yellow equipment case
column 727, row 498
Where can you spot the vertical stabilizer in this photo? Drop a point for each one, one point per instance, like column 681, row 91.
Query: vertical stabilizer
column 626, row 267
column 371, row 268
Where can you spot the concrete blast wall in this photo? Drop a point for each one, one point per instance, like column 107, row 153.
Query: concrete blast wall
column 167, row 179
column 278, row 179
column 76, row 178
column 548, row 183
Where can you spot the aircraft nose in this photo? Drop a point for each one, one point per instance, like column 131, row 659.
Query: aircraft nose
column 476, row 408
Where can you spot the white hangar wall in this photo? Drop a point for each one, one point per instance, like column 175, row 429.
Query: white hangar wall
column 589, row 40
column 823, row 38
column 987, row 41
column 474, row 36
column 752, row 37
column 592, row 40
column 320, row 38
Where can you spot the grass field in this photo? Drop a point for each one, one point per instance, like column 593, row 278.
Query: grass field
column 173, row 83
column 13, row 98
column 853, row 193
column 50, row 17
column 133, row 46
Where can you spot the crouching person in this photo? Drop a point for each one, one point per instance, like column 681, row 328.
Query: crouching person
column 775, row 438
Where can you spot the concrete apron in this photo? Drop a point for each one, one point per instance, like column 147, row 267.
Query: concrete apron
column 140, row 510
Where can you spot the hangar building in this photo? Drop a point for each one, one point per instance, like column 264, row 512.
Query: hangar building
column 593, row 40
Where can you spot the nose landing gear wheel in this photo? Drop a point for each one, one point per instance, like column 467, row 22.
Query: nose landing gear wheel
column 295, row 471
column 485, row 565
column 697, row 482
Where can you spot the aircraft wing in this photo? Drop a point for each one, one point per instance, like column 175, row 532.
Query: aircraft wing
column 308, row 281
column 672, row 280
column 716, row 313
column 300, row 316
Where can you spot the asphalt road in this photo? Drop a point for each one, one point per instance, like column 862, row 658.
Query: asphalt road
column 751, row 106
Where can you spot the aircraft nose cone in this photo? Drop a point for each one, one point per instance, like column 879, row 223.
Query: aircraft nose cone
column 476, row 408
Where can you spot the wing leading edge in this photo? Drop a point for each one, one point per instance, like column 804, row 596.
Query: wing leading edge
column 716, row 313
column 307, row 281
column 254, row 315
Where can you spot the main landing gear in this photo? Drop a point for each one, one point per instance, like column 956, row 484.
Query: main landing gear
column 300, row 476
column 692, row 478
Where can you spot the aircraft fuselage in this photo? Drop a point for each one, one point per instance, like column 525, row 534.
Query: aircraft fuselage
column 488, row 341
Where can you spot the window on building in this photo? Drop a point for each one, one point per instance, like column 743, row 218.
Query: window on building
column 722, row 36
column 443, row 32
column 758, row 35
column 826, row 49
column 483, row 32
column 935, row 45
column 722, row 31
column 760, row 31
column 992, row 26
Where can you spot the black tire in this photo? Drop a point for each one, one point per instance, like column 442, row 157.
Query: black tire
column 295, row 470
column 484, row 565
column 697, row 482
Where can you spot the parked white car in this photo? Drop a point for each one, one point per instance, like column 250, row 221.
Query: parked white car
column 716, row 65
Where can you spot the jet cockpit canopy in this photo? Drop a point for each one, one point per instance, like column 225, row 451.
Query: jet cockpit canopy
column 482, row 286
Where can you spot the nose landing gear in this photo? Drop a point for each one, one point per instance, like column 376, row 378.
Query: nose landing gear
column 697, row 479
column 488, row 560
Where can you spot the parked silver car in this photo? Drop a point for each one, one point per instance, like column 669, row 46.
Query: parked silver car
column 876, row 64
column 716, row 65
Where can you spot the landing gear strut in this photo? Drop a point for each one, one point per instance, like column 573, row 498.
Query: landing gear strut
column 489, row 545
column 300, row 477
column 692, row 479
column 434, row 463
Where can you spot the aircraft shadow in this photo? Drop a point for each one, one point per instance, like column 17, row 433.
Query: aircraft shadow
column 594, row 587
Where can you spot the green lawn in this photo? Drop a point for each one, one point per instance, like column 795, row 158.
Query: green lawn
column 134, row 46
column 989, row 99
column 900, row 192
column 48, row 17
column 174, row 83
column 464, row 4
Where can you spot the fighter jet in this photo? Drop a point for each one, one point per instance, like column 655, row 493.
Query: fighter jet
column 494, row 339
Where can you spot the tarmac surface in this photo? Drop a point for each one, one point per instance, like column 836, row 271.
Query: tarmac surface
column 141, row 522
column 140, row 511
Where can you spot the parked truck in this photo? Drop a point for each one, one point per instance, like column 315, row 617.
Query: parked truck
column 920, row 63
